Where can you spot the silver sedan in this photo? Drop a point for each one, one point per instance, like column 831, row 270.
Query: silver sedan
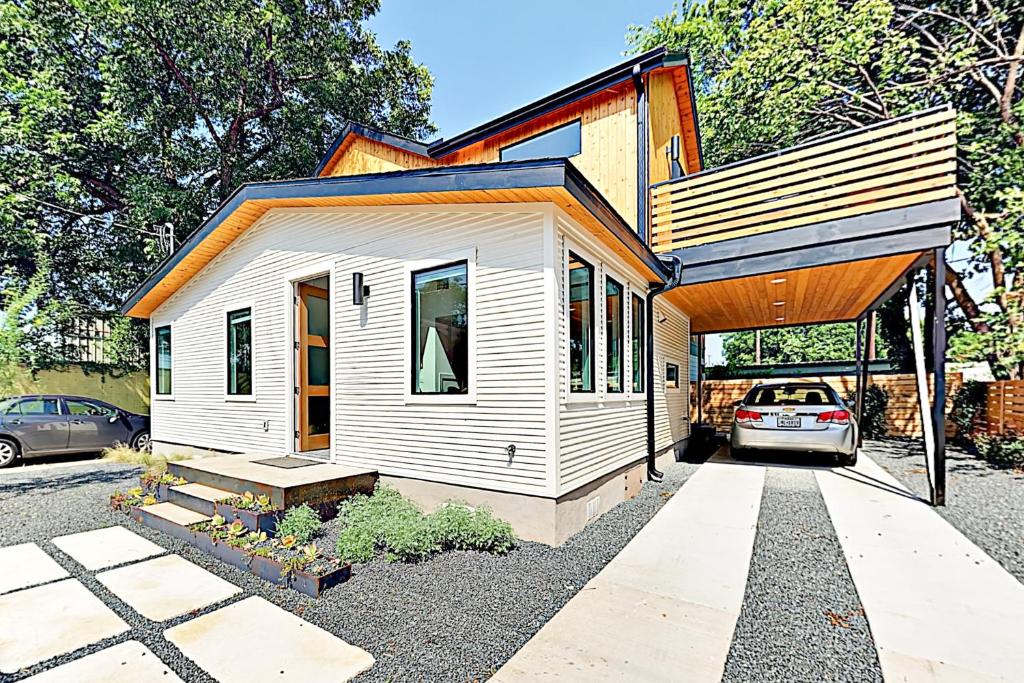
column 795, row 416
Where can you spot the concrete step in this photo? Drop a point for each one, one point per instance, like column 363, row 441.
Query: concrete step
column 175, row 514
column 198, row 497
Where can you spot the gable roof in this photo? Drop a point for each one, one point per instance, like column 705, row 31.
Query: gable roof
column 639, row 64
column 545, row 180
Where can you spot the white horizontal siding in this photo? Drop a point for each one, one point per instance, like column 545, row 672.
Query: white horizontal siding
column 373, row 424
column 600, row 433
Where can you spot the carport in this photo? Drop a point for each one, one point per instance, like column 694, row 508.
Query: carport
column 823, row 232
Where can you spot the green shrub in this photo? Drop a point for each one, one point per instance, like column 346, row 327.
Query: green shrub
column 301, row 521
column 459, row 527
column 1001, row 451
column 968, row 407
column 876, row 402
column 385, row 521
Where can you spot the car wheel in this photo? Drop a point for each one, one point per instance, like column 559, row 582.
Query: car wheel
column 846, row 460
column 738, row 453
column 8, row 452
column 141, row 441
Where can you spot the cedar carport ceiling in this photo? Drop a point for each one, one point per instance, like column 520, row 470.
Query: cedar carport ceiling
column 831, row 293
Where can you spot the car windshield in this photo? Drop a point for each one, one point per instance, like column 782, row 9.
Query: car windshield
column 791, row 395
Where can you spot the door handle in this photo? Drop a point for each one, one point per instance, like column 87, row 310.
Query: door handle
column 78, row 422
column 15, row 422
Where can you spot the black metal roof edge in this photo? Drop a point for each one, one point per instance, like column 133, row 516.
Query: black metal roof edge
column 588, row 195
column 588, row 86
column 491, row 176
column 809, row 143
column 372, row 133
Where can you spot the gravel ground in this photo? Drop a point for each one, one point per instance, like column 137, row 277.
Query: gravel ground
column 985, row 503
column 457, row 617
column 801, row 618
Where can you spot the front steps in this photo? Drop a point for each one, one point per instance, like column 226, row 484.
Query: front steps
column 198, row 497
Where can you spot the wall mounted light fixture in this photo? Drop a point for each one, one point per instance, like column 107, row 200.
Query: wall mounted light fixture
column 359, row 290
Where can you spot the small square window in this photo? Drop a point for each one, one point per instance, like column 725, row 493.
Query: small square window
column 671, row 376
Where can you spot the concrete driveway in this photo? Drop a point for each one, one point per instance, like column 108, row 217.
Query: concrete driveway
column 775, row 571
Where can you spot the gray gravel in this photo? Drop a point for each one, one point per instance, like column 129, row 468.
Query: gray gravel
column 458, row 616
column 801, row 618
column 985, row 503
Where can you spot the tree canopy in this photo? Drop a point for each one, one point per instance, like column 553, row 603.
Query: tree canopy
column 771, row 73
column 119, row 117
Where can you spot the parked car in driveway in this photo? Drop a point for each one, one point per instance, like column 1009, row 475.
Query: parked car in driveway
column 33, row 426
column 795, row 416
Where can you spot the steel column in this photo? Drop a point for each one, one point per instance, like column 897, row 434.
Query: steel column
column 939, row 368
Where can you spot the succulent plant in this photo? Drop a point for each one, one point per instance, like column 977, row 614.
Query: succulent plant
column 236, row 528
column 217, row 520
column 287, row 541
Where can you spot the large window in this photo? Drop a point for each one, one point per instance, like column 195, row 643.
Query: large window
column 613, row 304
column 163, row 360
column 240, row 352
column 581, row 325
column 557, row 143
column 637, row 312
column 440, row 313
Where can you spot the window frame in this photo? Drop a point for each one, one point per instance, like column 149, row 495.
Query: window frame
column 573, row 251
column 228, row 310
column 670, row 362
column 638, row 382
column 155, row 393
column 624, row 291
column 554, row 129
column 410, row 270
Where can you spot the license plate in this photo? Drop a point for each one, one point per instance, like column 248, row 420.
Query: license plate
column 787, row 421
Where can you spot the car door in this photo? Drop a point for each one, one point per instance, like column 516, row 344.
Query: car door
column 94, row 425
column 38, row 423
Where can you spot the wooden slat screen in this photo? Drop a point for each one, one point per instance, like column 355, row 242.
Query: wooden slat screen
column 907, row 161
column 902, row 417
column 1004, row 407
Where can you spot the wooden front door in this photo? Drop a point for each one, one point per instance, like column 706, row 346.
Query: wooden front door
column 314, row 375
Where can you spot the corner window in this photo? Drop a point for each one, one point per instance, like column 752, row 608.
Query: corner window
column 671, row 376
column 163, row 360
column 240, row 352
column 637, row 313
column 581, row 325
column 557, row 143
column 613, row 304
column 440, row 313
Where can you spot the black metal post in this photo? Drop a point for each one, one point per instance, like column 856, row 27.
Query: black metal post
column 858, row 407
column 939, row 367
column 869, row 340
column 700, row 379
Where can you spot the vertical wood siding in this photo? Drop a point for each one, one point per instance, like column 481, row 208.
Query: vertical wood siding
column 373, row 424
column 599, row 433
column 359, row 155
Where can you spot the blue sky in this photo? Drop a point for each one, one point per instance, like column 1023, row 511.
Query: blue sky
column 491, row 57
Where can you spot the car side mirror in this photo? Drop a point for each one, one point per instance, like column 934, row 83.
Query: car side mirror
column 113, row 418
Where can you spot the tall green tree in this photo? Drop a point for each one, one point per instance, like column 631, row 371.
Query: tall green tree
column 119, row 117
column 771, row 73
column 813, row 343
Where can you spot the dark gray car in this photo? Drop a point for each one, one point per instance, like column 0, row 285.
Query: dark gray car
column 33, row 426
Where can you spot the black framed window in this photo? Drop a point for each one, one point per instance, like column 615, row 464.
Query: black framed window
column 637, row 315
column 440, row 314
column 557, row 143
column 671, row 376
column 581, row 325
column 614, row 307
column 240, row 352
column 163, row 360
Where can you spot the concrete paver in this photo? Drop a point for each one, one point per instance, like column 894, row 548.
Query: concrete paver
column 940, row 609
column 130, row 661
column 276, row 646
column 27, row 565
column 166, row 587
column 665, row 608
column 43, row 622
column 102, row 548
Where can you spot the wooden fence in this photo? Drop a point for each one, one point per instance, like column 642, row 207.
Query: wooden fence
column 902, row 415
column 1004, row 407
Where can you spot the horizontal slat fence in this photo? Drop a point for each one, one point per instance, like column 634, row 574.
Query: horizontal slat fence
column 902, row 416
column 1004, row 407
column 903, row 162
